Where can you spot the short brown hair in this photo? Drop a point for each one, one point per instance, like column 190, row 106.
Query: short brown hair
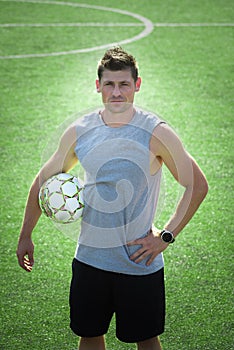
column 117, row 59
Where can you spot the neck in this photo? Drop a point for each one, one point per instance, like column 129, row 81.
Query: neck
column 116, row 120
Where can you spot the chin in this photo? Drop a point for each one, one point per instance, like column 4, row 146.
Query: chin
column 118, row 107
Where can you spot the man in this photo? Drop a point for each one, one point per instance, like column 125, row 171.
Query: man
column 118, row 265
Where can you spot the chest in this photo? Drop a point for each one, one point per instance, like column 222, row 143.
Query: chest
column 114, row 151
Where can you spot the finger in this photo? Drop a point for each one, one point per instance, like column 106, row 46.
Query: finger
column 24, row 263
column 30, row 258
column 143, row 256
column 139, row 255
column 138, row 241
column 151, row 259
column 27, row 262
column 135, row 242
column 27, row 265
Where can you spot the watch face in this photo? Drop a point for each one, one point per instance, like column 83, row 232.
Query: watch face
column 167, row 236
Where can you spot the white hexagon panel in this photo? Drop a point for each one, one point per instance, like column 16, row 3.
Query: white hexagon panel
column 56, row 201
column 69, row 189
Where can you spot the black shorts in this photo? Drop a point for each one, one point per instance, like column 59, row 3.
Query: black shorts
column 137, row 301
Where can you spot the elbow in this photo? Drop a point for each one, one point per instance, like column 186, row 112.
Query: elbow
column 200, row 184
column 201, row 187
column 204, row 188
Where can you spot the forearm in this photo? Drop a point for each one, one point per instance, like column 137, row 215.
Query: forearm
column 32, row 211
column 185, row 210
column 188, row 205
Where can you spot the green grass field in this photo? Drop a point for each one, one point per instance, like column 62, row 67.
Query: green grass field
column 187, row 74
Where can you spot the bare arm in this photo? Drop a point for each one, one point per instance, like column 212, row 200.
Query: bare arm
column 167, row 148
column 62, row 161
column 185, row 170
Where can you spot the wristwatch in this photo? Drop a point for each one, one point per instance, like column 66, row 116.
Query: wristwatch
column 167, row 236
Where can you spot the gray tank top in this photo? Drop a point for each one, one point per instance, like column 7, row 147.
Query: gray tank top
column 120, row 194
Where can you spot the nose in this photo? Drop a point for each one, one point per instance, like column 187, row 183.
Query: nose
column 116, row 91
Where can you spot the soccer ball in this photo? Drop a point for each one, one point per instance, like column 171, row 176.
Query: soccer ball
column 61, row 198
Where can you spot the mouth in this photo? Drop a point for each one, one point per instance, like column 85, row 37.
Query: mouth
column 117, row 101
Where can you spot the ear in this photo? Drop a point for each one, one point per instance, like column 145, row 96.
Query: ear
column 138, row 84
column 98, row 85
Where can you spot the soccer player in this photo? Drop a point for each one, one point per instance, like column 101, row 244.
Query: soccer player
column 118, row 264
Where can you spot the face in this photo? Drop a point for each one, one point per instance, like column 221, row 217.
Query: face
column 118, row 89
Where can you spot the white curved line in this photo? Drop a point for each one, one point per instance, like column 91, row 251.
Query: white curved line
column 147, row 23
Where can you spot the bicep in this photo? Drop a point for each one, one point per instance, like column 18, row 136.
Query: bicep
column 64, row 157
column 167, row 146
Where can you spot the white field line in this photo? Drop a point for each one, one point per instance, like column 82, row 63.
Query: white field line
column 194, row 24
column 147, row 29
column 144, row 22
column 92, row 24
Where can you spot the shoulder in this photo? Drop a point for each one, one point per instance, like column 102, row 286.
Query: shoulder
column 69, row 137
column 87, row 119
column 147, row 120
column 86, row 123
column 163, row 130
column 78, row 127
column 165, row 138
